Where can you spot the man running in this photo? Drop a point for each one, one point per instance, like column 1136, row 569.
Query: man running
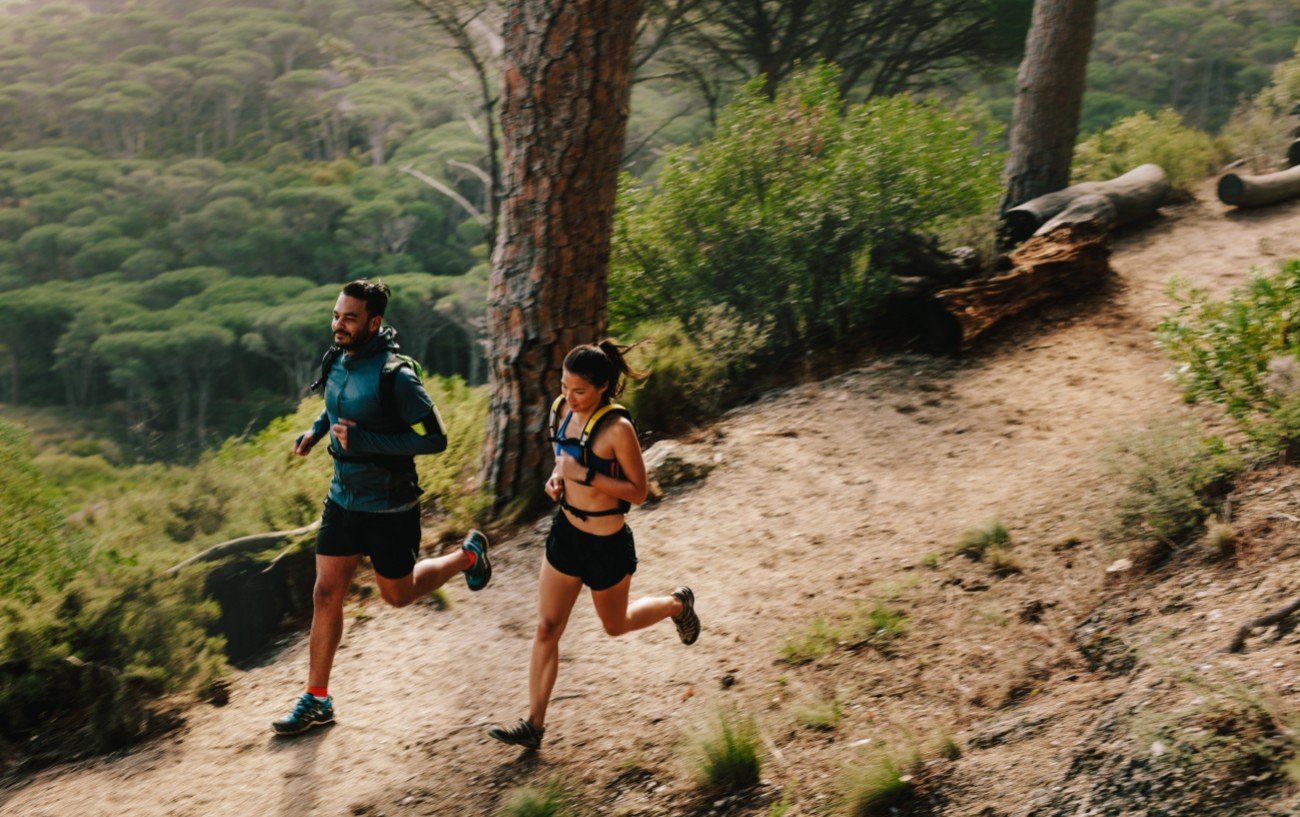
column 379, row 417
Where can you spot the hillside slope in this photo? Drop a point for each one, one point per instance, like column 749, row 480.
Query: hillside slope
column 828, row 494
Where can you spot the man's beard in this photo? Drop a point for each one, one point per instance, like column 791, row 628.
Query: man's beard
column 357, row 341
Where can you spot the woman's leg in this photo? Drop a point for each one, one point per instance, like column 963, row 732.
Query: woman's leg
column 619, row 618
column 556, row 594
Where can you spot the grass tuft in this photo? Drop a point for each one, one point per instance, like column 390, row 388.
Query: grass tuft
column 821, row 714
column 727, row 753
column 551, row 800
column 977, row 541
column 876, row 787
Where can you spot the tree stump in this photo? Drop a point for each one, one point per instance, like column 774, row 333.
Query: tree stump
column 1068, row 261
column 1259, row 191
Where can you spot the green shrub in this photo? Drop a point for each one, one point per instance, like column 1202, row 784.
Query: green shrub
column 1172, row 476
column 975, row 542
column 727, row 755
column 1260, row 130
column 551, row 800
column 692, row 375
column 1222, row 348
column 1185, row 154
column 776, row 214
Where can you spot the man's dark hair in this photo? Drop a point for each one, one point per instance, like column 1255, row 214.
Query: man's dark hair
column 374, row 293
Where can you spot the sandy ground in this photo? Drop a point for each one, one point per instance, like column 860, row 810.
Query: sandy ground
column 823, row 492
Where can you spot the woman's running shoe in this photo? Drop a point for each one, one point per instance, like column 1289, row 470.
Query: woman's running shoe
column 521, row 734
column 478, row 576
column 688, row 624
column 308, row 712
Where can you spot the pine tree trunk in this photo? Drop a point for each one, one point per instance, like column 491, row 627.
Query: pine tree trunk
column 564, row 107
column 1049, row 99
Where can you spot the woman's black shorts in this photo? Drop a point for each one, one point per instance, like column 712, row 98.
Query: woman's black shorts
column 391, row 540
column 600, row 561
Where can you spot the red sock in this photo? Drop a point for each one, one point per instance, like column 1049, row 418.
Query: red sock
column 319, row 692
column 473, row 559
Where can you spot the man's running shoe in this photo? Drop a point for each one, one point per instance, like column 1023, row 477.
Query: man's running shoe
column 308, row 712
column 478, row 576
column 688, row 624
column 521, row 734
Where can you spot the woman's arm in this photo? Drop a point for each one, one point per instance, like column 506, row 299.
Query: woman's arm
column 627, row 450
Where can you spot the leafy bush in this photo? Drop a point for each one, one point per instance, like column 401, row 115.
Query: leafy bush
column 1223, row 349
column 728, row 753
column 1260, row 130
column 1172, row 475
column 692, row 375
column 35, row 553
column 1185, row 154
column 776, row 215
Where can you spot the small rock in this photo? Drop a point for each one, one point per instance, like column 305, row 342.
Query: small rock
column 1120, row 565
column 1158, row 749
column 728, row 681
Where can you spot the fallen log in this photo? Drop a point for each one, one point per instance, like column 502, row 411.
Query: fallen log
column 244, row 544
column 1091, row 211
column 1259, row 191
column 1134, row 196
column 1070, row 260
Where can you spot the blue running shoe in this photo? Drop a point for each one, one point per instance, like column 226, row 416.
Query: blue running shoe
column 308, row 712
column 478, row 576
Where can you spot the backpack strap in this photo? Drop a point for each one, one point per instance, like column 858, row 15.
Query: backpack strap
column 429, row 424
column 326, row 363
column 596, row 420
column 557, row 408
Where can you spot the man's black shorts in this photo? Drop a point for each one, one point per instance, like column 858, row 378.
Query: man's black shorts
column 600, row 561
column 391, row 540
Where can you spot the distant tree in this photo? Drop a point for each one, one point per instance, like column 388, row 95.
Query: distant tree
column 1049, row 98
column 882, row 46
column 568, row 72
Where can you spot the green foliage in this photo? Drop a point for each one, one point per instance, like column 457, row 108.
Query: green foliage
column 551, row 800
column 692, row 375
column 977, row 541
column 1260, row 130
column 1185, row 154
column 864, row 626
column 876, row 786
column 1172, row 476
column 775, row 216
column 1223, row 348
column 36, row 554
column 727, row 754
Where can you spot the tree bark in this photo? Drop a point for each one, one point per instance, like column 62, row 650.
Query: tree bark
column 1259, row 191
column 1068, row 261
column 566, row 89
column 1135, row 196
column 1049, row 99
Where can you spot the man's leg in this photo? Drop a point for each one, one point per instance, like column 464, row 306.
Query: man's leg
column 427, row 575
column 333, row 578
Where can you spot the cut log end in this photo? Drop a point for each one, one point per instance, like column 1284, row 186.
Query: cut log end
column 1231, row 188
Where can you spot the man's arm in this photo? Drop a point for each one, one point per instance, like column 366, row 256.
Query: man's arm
column 303, row 445
column 427, row 435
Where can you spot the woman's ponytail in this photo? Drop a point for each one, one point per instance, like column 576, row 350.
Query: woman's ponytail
column 603, row 364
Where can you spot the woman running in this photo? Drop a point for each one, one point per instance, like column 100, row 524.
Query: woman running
column 589, row 541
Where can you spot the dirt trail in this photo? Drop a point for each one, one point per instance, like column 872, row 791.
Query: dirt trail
column 823, row 491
